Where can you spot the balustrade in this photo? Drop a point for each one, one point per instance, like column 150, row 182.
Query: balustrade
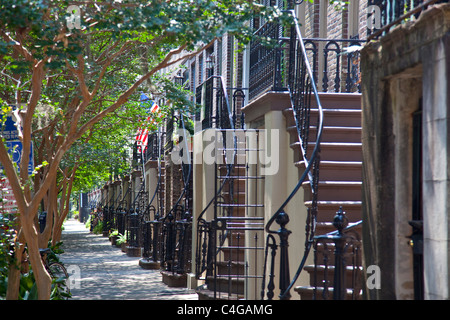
column 385, row 14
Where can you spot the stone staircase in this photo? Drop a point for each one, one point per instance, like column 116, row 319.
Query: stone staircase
column 340, row 170
column 234, row 229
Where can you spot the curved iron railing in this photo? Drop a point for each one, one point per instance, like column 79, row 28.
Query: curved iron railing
column 302, row 88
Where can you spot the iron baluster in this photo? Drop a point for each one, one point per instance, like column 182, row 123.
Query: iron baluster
column 283, row 219
column 340, row 222
column 271, row 243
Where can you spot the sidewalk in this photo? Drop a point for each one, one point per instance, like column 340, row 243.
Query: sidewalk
column 106, row 273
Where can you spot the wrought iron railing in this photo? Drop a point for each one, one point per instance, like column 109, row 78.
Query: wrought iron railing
column 216, row 111
column 302, row 90
column 338, row 254
column 122, row 213
column 154, row 211
column 340, row 63
column 268, row 63
column 335, row 63
column 224, row 239
column 177, row 223
column 154, row 147
column 385, row 14
column 134, row 217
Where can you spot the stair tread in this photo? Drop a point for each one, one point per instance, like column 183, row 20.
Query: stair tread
column 311, row 288
column 330, row 144
column 334, row 127
column 311, row 267
column 337, row 182
column 337, row 203
column 334, row 163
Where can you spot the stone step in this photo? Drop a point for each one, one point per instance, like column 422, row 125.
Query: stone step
column 335, row 151
column 335, row 190
column 338, row 100
column 333, row 117
column 327, row 210
column 326, row 273
column 338, row 170
column 307, row 293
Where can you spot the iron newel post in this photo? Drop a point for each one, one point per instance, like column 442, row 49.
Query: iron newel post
column 340, row 222
column 283, row 219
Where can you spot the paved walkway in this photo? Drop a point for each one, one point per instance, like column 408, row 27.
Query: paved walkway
column 106, row 273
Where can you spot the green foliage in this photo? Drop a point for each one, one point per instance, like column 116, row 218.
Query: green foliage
column 121, row 239
column 339, row 5
column 114, row 233
column 28, row 288
column 98, row 228
column 7, row 237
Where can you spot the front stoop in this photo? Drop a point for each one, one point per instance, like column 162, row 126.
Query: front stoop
column 174, row 279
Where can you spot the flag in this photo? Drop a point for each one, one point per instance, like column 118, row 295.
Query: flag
column 154, row 107
column 142, row 134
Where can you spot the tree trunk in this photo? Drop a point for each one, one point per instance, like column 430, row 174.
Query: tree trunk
column 42, row 277
column 12, row 292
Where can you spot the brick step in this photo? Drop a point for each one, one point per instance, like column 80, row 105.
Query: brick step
column 204, row 293
column 338, row 100
column 307, row 293
column 333, row 117
column 327, row 210
column 335, row 190
column 338, row 170
column 352, row 275
column 230, row 268
column 320, row 250
column 332, row 133
column 239, row 169
column 238, row 195
column 226, row 284
column 335, row 151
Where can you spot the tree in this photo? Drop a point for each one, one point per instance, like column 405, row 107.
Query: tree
column 48, row 63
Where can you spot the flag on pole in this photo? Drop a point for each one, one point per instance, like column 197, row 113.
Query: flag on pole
column 154, row 107
column 142, row 133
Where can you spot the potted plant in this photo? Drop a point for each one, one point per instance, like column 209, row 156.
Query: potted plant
column 121, row 241
column 113, row 236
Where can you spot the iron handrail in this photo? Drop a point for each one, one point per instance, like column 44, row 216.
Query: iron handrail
column 307, row 174
column 158, row 184
column 186, row 182
column 229, row 168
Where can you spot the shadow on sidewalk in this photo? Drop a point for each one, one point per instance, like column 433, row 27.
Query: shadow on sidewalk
column 100, row 271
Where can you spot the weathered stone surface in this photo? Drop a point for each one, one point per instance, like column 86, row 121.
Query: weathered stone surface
column 408, row 65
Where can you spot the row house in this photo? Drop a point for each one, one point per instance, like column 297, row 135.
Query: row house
column 276, row 126
column 268, row 200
